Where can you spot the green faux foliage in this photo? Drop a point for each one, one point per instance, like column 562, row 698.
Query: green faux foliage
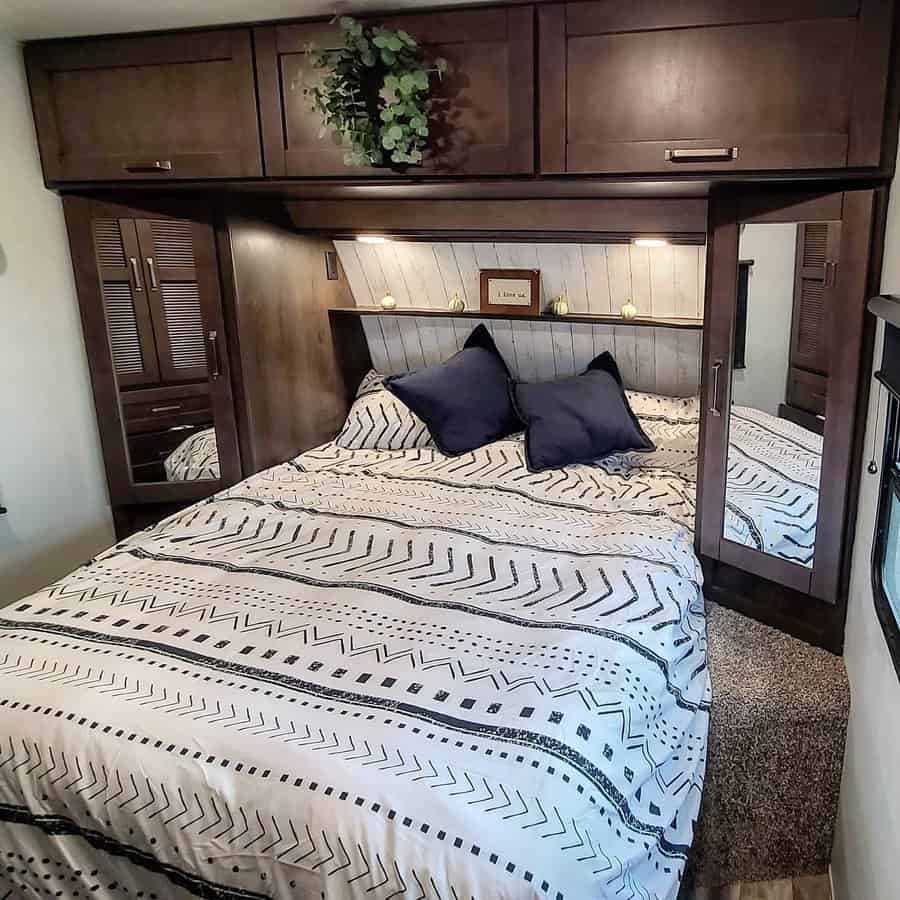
column 374, row 95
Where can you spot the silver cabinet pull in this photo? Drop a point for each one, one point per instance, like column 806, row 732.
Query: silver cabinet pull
column 135, row 274
column 164, row 409
column 714, row 406
column 151, row 268
column 149, row 165
column 830, row 273
column 701, row 154
column 214, row 350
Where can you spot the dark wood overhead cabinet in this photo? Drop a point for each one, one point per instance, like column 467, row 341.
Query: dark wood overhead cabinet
column 721, row 85
column 174, row 106
column 482, row 120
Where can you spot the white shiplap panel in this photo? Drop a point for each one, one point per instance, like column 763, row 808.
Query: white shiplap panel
column 467, row 264
column 501, row 330
column 626, row 354
column 582, row 345
column 517, row 256
column 397, row 361
column 665, row 359
column 412, row 343
column 445, row 335
column 407, row 255
column 545, row 364
column 435, row 290
column 662, row 282
column 596, row 275
column 563, row 351
column 449, row 270
column 377, row 347
column 645, row 357
column 525, row 368
column 356, row 278
column 389, row 257
column 428, row 340
column 688, row 377
column 619, row 266
column 486, row 256
column 575, row 278
column 604, row 339
column 371, row 266
column 639, row 271
column 688, row 303
column 551, row 265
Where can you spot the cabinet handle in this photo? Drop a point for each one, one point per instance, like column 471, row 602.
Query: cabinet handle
column 830, row 278
column 149, row 165
column 162, row 409
column 214, row 349
column 151, row 268
column 714, row 406
column 701, row 154
column 135, row 274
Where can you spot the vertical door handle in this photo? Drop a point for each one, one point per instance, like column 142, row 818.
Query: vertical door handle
column 135, row 274
column 213, row 339
column 830, row 273
column 151, row 268
column 714, row 406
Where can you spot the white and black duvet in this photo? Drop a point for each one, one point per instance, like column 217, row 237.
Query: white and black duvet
column 371, row 675
column 772, row 494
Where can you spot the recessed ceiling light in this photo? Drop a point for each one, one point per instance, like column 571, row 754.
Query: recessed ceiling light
column 372, row 239
column 650, row 242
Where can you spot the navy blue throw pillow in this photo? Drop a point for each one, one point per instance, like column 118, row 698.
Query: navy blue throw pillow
column 465, row 402
column 578, row 420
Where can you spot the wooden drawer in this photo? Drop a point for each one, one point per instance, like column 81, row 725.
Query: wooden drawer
column 725, row 85
column 807, row 391
column 482, row 120
column 161, row 408
column 148, row 107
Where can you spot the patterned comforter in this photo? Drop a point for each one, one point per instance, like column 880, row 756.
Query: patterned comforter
column 368, row 674
column 772, row 495
column 196, row 457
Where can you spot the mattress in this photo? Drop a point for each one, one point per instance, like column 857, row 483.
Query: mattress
column 772, row 494
column 368, row 674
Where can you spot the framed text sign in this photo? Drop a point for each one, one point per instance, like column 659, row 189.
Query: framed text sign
column 511, row 291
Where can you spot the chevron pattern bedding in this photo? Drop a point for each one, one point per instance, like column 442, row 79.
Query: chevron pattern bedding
column 194, row 458
column 772, row 494
column 368, row 674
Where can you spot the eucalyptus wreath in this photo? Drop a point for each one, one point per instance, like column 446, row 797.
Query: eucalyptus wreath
column 374, row 94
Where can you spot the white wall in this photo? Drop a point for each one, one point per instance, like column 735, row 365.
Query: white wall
column 51, row 473
column 867, row 841
column 770, row 300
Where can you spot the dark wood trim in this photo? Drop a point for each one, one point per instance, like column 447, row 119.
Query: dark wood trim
column 772, row 568
column 268, row 86
column 790, row 205
column 847, row 327
column 351, row 350
column 801, row 417
column 552, row 88
column 359, row 311
column 625, row 216
column 532, row 276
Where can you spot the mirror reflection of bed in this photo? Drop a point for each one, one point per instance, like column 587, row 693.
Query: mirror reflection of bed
column 778, row 387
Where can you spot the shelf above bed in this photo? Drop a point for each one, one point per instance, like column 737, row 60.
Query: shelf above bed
column 641, row 322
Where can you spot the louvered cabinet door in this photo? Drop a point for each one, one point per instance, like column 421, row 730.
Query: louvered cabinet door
column 124, row 292
column 815, row 270
column 168, row 258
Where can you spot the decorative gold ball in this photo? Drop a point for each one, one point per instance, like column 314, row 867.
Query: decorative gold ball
column 629, row 310
column 388, row 302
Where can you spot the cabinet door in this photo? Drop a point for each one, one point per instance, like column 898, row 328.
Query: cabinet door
column 174, row 291
column 159, row 106
column 727, row 85
column 482, row 121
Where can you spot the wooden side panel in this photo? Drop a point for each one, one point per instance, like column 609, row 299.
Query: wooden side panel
column 293, row 392
column 482, row 119
column 162, row 107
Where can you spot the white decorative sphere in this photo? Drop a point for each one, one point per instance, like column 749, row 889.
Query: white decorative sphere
column 629, row 310
column 388, row 302
column 456, row 304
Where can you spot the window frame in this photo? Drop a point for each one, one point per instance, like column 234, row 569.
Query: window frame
column 890, row 485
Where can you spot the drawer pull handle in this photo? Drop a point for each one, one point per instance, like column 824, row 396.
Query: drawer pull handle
column 151, row 268
column 149, row 165
column 701, row 154
column 214, row 349
column 714, row 406
column 135, row 274
column 164, row 409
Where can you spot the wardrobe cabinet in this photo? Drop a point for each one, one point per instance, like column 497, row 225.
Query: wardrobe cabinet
column 482, row 118
column 172, row 106
column 714, row 86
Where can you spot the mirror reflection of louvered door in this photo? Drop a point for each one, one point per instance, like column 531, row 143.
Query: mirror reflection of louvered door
column 124, row 293
column 168, row 255
column 815, row 270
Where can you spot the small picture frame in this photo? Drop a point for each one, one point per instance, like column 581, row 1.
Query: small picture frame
column 511, row 291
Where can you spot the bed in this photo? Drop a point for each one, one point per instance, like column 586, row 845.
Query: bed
column 374, row 674
column 772, row 493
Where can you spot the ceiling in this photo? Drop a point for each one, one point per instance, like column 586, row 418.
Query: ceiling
column 30, row 19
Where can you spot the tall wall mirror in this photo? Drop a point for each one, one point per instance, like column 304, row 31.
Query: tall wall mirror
column 158, row 317
column 784, row 327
